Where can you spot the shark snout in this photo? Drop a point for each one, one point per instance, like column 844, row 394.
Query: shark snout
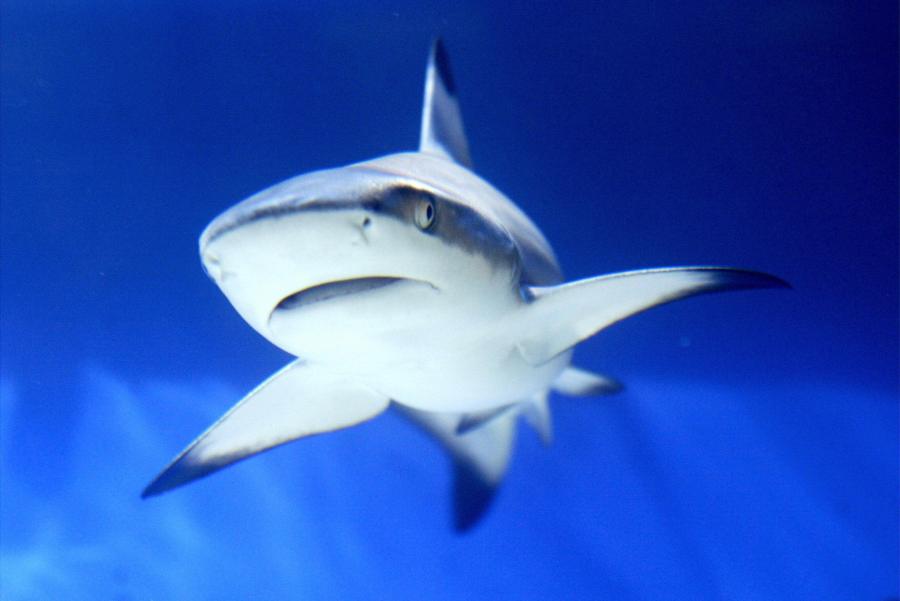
column 211, row 264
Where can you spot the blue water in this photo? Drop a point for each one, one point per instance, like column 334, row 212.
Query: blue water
column 754, row 453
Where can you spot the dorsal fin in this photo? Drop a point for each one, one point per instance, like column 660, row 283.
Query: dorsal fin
column 442, row 127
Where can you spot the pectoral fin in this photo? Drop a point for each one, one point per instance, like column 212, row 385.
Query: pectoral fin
column 297, row 401
column 558, row 317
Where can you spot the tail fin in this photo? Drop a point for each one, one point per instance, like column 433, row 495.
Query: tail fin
column 480, row 457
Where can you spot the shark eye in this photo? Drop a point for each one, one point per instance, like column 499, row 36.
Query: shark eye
column 424, row 215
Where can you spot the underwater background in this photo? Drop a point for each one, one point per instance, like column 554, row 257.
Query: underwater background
column 754, row 451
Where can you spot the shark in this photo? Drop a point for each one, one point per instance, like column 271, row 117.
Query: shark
column 409, row 281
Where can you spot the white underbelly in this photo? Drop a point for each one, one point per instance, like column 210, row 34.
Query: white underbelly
column 466, row 381
column 429, row 352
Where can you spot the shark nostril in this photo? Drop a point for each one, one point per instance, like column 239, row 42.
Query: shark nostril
column 364, row 228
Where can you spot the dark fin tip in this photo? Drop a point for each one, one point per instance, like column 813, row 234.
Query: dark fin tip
column 153, row 489
column 744, row 278
column 472, row 496
column 612, row 387
column 182, row 471
column 442, row 64
column 783, row 283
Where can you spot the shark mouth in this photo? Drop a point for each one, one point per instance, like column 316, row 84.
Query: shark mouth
column 332, row 290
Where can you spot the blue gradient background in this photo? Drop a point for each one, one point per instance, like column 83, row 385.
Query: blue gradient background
column 754, row 452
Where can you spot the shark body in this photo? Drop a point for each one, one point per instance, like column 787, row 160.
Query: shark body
column 410, row 280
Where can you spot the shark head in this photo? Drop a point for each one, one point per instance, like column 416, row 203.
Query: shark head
column 359, row 252
column 374, row 254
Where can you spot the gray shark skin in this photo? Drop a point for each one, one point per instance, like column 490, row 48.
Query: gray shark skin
column 408, row 280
